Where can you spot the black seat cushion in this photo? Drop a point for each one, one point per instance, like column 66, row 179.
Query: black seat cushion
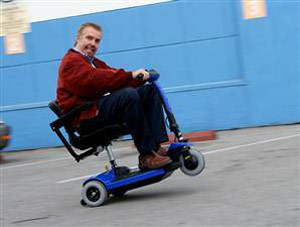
column 99, row 137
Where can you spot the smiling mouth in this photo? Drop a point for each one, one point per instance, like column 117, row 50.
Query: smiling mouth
column 90, row 51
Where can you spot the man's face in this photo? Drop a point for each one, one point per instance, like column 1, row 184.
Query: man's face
column 89, row 41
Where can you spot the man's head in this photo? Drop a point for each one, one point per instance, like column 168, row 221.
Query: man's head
column 88, row 38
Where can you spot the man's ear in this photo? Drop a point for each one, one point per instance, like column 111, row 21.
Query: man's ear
column 77, row 39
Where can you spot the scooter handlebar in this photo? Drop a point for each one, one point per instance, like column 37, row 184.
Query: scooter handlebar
column 154, row 75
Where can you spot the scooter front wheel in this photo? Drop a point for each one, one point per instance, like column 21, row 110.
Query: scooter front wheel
column 194, row 164
column 94, row 193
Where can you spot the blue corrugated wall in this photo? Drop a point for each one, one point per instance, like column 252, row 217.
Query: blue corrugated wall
column 219, row 70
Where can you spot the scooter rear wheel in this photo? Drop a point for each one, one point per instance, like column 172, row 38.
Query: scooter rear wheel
column 193, row 165
column 94, row 193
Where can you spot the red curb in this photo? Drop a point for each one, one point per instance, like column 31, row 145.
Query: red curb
column 195, row 136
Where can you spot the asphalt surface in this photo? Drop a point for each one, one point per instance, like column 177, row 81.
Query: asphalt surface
column 251, row 179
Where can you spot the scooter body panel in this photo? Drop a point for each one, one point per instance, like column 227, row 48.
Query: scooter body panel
column 177, row 145
column 111, row 182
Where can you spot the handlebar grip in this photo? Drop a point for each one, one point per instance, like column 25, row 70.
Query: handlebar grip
column 154, row 75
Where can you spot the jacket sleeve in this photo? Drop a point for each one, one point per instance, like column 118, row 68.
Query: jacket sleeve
column 132, row 82
column 82, row 79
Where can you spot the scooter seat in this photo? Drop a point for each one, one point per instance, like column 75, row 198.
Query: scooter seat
column 83, row 139
column 99, row 137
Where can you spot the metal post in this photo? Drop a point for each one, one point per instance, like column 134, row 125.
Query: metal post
column 111, row 156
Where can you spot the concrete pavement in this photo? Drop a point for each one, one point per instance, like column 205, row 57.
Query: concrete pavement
column 251, row 179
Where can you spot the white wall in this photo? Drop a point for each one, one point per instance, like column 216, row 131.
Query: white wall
column 41, row 10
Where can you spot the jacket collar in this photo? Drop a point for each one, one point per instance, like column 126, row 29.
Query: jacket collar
column 89, row 59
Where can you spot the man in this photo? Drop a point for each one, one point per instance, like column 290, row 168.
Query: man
column 118, row 95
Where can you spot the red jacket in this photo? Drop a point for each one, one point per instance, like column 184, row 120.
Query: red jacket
column 79, row 82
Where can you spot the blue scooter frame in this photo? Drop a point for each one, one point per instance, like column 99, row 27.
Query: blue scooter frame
column 97, row 188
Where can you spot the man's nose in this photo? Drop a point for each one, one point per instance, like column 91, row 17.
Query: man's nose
column 93, row 43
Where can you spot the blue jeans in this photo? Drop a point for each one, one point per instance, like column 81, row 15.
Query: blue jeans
column 140, row 109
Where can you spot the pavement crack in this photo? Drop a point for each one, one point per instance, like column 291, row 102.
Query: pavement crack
column 27, row 220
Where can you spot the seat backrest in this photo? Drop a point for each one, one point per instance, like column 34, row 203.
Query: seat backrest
column 53, row 105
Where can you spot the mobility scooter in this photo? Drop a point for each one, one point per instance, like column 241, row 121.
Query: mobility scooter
column 118, row 180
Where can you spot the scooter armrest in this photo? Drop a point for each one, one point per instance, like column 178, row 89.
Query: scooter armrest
column 65, row 118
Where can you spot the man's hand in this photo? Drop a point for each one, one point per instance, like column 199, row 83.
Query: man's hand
column 140, row 71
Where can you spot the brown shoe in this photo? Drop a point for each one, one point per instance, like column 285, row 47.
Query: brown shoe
column 162, row 151
column 153, row 161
